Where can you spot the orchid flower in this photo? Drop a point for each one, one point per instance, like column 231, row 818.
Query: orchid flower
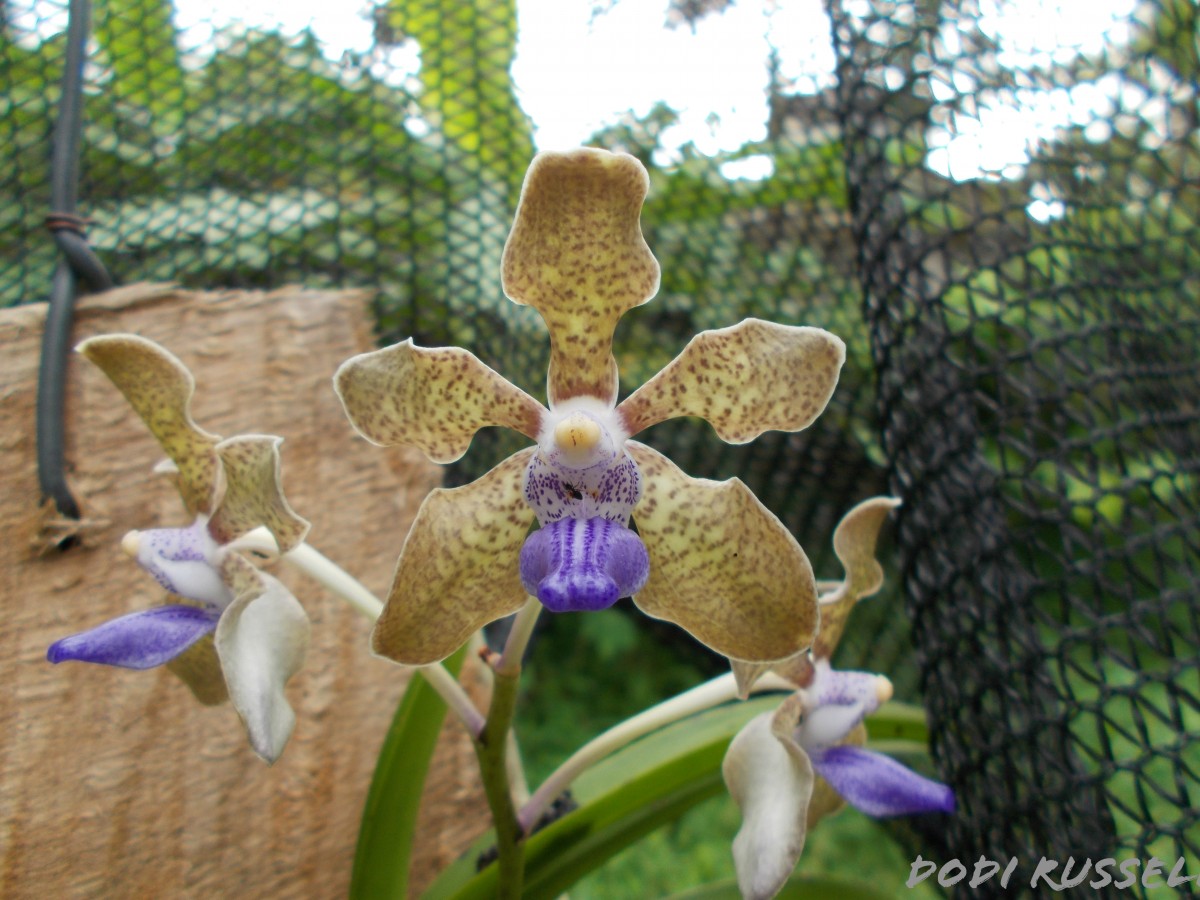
column 706, row 555
column 232, row 631
column 789, row 768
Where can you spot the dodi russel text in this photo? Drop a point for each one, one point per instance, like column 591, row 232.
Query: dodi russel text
column 1149, row 873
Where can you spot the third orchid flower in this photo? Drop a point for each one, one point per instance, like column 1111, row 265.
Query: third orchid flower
column 706, row 555
column 789, row 768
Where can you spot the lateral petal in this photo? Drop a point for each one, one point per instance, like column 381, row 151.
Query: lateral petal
column 771, row 780
column 434, row 399
column 854, row 542
column 880, row 786
column 262, row 639
column 721, row 565
column 576, row 255
column 458, row 569
column 254, row 493
column 743, row 380
column 199, row 668
column 159, row 388
column 140, row 640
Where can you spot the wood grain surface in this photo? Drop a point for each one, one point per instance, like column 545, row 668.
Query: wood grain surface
column 117, row 783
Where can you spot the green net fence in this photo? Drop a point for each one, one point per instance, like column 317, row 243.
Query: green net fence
column 994, row 203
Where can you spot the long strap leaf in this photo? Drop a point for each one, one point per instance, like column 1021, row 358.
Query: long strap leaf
column 648, row 784
column 389, row 821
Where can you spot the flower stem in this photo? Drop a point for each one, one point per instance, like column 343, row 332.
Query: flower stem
column 705, row 696
column 495, row 747
column 335, row 579
column 454, row 696
column 316, row 566
column 518, row 637
column 491, row 747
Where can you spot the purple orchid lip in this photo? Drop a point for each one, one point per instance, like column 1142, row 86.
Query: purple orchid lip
column 878, row 785
column 140, row 640
column 573, row 565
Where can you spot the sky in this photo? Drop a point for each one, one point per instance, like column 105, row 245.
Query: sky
column 577, row 71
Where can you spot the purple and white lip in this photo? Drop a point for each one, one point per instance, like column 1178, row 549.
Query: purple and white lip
column 583, row 486
column 578, row 565
column 185, row 561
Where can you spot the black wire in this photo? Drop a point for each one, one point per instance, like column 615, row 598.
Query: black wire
column 78, row 261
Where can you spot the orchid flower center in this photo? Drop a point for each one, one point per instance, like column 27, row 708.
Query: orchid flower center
column 185, row 561
column 583, row 486
column 581, row 440
column 581, row 469
column 836, row 702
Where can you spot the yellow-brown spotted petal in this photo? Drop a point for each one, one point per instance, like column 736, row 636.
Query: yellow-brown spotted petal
column 752, row 377
column 458, row 569
column 200, row 669
column 434, row 399
column 576, row 255
column 721, row 565
column 745, row 674
column 159, row 388
column 799, row 669
column 854, row 543
column 254, row 493
column 240, row 575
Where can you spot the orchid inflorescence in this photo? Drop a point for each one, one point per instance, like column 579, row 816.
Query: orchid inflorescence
column 705, row 555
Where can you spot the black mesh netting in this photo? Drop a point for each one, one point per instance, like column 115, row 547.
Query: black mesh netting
column 1022, row 328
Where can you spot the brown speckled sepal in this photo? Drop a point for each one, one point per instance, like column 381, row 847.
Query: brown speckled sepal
column 576, row 255
column 254, row 493
column 854, row 543
column 200, row 669
column 159, row 388
column 752, row 377
column 434, row 399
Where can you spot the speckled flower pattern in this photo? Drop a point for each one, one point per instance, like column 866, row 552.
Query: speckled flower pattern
column 705, row 555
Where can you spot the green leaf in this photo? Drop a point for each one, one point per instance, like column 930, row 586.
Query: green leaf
column 898, row 722
column 648, row 784
column 634, row 791
column 389, row 820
